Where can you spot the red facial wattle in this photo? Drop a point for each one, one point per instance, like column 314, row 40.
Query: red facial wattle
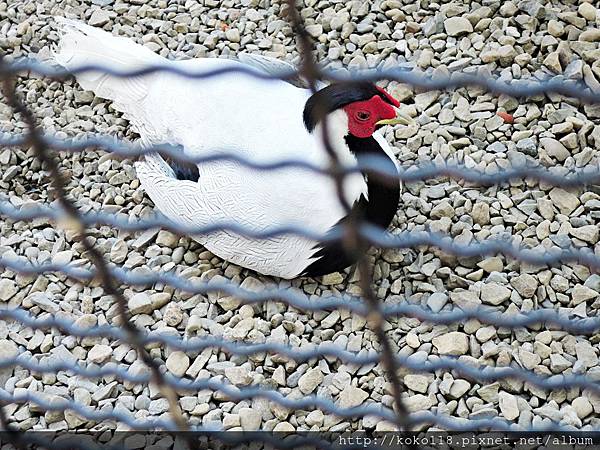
column 363, row 116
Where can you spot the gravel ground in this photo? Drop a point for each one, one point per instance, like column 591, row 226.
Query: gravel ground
column 519, row 39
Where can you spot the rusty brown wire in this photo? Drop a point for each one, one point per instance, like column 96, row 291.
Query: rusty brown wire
column 72, row 215
column 352, row 241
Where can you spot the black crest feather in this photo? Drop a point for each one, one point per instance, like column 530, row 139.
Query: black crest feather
column 336, row 96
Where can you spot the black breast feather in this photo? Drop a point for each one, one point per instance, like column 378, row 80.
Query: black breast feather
column 379, row 209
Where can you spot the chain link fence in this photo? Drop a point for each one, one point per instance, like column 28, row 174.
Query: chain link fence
column 357, row 237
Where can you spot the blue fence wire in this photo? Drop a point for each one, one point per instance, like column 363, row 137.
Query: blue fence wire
column 367, row 305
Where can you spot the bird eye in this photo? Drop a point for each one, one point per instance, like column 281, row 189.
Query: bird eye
column 363, row 115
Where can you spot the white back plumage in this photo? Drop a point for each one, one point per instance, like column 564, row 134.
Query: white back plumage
column 235, row 113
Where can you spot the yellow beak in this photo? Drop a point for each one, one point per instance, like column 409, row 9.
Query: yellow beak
column 401, row 118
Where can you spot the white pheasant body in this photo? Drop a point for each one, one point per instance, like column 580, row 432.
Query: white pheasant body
column 259, row 120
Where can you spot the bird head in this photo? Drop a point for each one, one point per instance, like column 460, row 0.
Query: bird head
column 367, row 107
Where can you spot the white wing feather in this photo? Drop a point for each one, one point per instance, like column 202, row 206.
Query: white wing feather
column 81, row 44
column 274, row 66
